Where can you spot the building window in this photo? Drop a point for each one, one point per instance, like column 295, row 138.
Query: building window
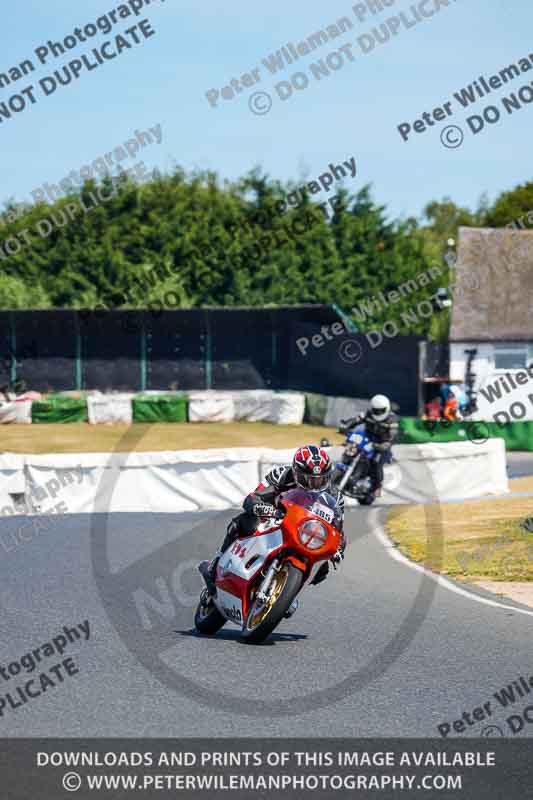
column 513, row 356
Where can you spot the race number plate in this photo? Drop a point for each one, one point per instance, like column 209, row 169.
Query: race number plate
column 323, row 511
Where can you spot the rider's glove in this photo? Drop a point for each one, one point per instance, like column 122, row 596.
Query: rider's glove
column 264, row 509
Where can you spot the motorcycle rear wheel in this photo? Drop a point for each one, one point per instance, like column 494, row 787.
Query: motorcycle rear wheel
column 208, row 619
column 262, row 619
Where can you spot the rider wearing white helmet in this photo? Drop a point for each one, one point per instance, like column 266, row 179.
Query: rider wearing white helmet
column 381, row 427
column 379, row 407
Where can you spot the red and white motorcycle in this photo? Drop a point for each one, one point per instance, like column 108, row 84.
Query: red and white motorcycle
column 259, row 576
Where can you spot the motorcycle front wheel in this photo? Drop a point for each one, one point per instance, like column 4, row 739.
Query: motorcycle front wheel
column 262, row 618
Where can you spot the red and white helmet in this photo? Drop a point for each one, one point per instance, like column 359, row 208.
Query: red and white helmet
column 312, row 468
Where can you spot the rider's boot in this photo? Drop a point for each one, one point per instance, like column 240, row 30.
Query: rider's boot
column 376, row 480
column 208, row 569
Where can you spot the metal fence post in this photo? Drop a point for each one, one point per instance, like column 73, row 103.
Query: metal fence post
column 143, row 354
column 208, row 353
column 274, row 357
column 78, row 365
column 13, row 344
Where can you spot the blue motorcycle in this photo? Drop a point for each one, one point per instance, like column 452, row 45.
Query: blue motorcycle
column 351, row 476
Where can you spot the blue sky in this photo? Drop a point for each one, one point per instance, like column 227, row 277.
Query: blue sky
column 353, row 112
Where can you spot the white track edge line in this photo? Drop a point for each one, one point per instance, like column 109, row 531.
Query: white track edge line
column 394, row 553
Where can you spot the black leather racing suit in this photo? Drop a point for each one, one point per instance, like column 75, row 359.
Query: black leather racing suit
column 382, row 434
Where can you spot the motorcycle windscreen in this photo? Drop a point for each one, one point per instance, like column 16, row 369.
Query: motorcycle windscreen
column 361, row 441
column 322, row 504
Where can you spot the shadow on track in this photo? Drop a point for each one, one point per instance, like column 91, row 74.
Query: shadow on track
column 234, row 636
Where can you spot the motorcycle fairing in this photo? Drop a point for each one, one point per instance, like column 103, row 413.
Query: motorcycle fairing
column 246, row 556
column 238, row 566
column 361, row 441
column 229, row 605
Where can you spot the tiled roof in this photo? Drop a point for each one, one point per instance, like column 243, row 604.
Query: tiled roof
column 493, row 295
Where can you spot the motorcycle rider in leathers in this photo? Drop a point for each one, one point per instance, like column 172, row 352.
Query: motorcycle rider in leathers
column 381, row 427
column 311, row 469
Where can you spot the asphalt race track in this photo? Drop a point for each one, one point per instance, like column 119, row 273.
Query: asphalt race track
column 376, row 650
column 519, row 465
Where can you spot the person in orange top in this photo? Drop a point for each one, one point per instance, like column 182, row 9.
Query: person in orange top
column 451, row 408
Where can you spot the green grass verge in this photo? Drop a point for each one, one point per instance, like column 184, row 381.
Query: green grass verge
column 480, row 539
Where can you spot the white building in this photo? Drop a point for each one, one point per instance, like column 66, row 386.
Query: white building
column 492, row 320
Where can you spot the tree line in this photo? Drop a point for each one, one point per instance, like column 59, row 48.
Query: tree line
column 204, row 243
